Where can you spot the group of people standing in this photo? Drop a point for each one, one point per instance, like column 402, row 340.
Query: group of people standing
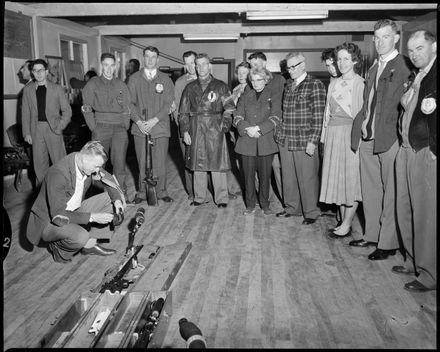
column 379, row 138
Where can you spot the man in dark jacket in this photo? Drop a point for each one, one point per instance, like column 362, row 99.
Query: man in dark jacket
column 60, row 210
column 205, row 112
column 416, row 166
column 374, row 133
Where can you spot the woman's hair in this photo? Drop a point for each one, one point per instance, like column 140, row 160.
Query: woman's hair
column 352, row 49
column 262, row 72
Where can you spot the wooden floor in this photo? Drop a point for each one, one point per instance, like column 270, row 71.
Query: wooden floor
column 248, row 282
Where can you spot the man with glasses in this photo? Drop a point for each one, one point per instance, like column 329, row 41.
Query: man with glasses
column 374, row 133
column 45, row 113
column 298, row 138
column 205, row 115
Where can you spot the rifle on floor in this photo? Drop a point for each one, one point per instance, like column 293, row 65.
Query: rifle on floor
column 150, row 181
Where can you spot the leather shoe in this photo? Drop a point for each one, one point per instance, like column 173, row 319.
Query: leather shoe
column 138, row 200
column 249, row 211
column 268, row 211
column 400, row 269
column 167, row 199
column 98, row 250
column 361, row 243
column 416, row 286
column 335, row 236
column 222, row 205
column 196, row 204
column 283, row 214
column 308, row 221
column 380, row 254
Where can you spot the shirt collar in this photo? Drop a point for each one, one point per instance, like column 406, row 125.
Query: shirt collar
column 429, row 66
column 191, row 77
column 152, row 72
column 37, row 85
column 389, row 57
column 79, row 174
column 301, row 78
column 106, row 80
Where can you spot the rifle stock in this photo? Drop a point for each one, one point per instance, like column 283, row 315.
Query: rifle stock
column 150, row 181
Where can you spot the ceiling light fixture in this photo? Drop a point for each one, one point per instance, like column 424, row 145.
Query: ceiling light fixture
column 278, row 15
column 211, row 36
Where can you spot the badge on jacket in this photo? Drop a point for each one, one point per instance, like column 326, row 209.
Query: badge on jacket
column 212, row 97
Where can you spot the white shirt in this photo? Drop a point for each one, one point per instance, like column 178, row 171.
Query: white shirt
column 300, row 78
column 150, row 73
column 76, row 200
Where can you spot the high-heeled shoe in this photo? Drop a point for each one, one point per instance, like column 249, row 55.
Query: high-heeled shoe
column 336, row 236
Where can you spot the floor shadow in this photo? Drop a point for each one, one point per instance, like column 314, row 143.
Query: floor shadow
column 22, row 239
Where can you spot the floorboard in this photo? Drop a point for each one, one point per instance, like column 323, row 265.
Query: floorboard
column 248, row 282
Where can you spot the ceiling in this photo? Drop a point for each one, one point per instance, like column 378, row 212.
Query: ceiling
column 152, row 19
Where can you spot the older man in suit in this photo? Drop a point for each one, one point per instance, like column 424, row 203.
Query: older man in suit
column 374, row 133
column 42, row 122
column 60, row 214
column 416, row 166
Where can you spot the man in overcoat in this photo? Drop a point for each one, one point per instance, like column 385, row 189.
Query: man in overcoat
column 205, row 116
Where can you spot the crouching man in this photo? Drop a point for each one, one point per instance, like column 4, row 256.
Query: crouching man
column 60, row 214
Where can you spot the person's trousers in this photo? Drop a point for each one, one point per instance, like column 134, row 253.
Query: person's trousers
column 188, row 174
column 114, row 139
column 262, row 165
column 46, row 144
column 300, row 180
column 378, row 184
column 159, row 154
column 416, row 204
column 219, row 183
column 67, row 240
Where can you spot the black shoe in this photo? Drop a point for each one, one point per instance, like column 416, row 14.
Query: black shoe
column 98, row 250
column 167, row 199
column 138, row 200
column 308, row 221
column 400, row 269
column 334, row 236
column 380, row 254
column 222, row 205
column 283, row 214
column 416, row 286
column 362, row 243
column 196, row 204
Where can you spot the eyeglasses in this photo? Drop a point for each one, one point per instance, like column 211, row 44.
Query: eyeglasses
column 39, row 71
column 294, row 66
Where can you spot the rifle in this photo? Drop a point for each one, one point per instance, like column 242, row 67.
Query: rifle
column 148, row 321
column 117, row 282
column 150, row 181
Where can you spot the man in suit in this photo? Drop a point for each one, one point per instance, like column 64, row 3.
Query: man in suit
column 60, row 213
column 374, row 132
column 25, row 72
column 42, row 123
column 152, row 94
column 205, row 115
column 416, row 166
column 298, row 138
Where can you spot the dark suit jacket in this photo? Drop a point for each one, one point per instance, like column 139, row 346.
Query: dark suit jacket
column 58, row 110
column 265, row 113
column 423, row 127
column 56, row 190
column 390, row 89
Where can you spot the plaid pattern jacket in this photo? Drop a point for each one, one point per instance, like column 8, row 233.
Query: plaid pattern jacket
column 303, row 113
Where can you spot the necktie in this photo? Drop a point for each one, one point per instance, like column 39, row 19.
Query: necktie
column 373, row 102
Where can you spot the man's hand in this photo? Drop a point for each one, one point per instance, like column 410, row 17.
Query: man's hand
column 142, row 126
column 101, row 218
column 119, row 206
column 28, row 139
column 253, row 131
column 151, row 123
column 186, row 138
column 310, row 149
column 433, row 155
